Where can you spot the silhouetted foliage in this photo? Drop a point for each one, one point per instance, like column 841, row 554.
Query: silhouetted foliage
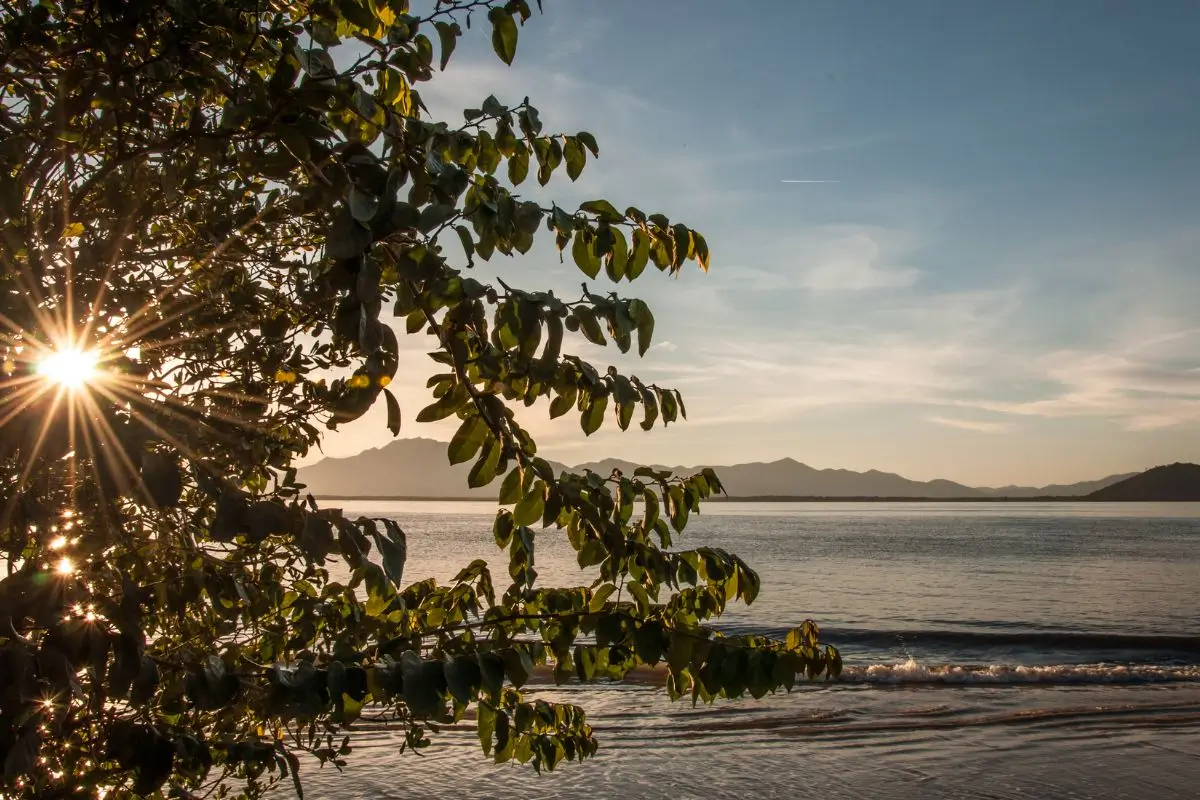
column 219, row 200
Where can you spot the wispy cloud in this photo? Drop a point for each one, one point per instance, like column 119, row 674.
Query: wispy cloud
column 1149, row 388
column 970, row 424
column 828, row 259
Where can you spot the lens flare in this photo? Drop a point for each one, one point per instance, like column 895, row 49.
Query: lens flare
column 71, row 368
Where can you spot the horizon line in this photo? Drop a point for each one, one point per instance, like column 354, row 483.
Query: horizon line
column 971, row 485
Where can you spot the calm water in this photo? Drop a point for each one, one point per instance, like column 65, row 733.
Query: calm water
column 992, row 650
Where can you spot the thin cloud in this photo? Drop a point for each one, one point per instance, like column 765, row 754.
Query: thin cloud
column 791, row 180
column 978, row 426
column 1149, row 385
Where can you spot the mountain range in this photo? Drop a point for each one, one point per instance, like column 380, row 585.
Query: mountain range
column 418, row 468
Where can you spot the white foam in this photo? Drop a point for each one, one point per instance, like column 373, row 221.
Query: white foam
column 913, row 672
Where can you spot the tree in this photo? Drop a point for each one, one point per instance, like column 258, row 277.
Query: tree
column 206, row 206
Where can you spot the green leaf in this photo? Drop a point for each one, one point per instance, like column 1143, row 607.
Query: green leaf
column 602, row 209
column 421, row 694
column 624, row 413
column 467, row 439
column 638, row 593
column 393, row 412
column 531, row 124
column 468, row 245
column 645, row 324
column 518, row 665
column 413, row 322
column 529, row 509
column 505, row 741
column 484, row 470
column 448, row 33
column 504, row 34
column 584, row 255
column 434, row 215
column 618, row 258
column 561, row 404
column 346, row 238
column 362, row 205
column 679, row 512
column 650, row 405
column 589, row 325
column 491, row 671
column 647, row 642
column 485, row 726
column 463, row 678
column 683, row 243
column 357, row 14
column 502, row 529
column 591, row 418
column 600, row 596
column 510, row 489
column 393, row 547
column 589, row 142
column 834, row 659
column 701, row 251
column 679, row 652
column 669, row 407
column 640, row 255
column 585, row 662
column 446, row 405
column 652, row 508
column 554, row 339
column 575, row 157
column 518, row 164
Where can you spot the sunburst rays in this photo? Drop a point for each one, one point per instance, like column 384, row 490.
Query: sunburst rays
column 77, row 355
column 74, row 374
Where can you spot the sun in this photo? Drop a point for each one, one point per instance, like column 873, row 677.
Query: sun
column 70, row 367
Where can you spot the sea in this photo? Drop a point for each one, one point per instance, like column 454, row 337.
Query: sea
column 992, row 650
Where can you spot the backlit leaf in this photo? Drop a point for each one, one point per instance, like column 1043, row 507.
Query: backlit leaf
column 510, row 487
column 518, row 165
column 467, row 439
column 393, row 412
column 529, row 508
column 448, row 33
column 584, row 255
column 594, row 415
column 504, row 34
column 589, row 142
column 574, row 155
column 602, row 209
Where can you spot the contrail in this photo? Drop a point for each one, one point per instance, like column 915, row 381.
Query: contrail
column 786, row 180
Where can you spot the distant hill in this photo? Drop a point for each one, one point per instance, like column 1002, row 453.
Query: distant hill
column 418, row 468
column 1059, row 489
column 1174, row 482
column 402, row 468
column 788, row 477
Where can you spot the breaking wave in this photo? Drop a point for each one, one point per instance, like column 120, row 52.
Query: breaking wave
column 912, row 672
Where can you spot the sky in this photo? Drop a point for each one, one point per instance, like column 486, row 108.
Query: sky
column 999, row 284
